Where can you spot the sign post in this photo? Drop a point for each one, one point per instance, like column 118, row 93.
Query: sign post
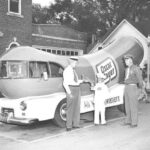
column 148, row 63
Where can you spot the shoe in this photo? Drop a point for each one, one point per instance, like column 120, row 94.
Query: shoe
column 96, row 124
column 104, row 124
column 133, row 126
column 68, row 129
column 76, row 127
column 126, row 124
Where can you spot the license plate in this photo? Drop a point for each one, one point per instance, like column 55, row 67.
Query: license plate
column 3, row 117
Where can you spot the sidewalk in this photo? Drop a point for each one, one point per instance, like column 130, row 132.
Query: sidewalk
column 113, row 136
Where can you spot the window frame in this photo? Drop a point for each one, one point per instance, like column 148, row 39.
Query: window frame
column 50, row 72
column 8, row 71
column 37, row 63
column 19, row 8
column 12, row 43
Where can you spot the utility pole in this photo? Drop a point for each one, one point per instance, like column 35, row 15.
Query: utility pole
column 148, row 63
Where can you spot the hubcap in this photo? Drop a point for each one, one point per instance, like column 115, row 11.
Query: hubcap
column 63, row 111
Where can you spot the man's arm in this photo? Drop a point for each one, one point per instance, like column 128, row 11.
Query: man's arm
column 65, row 82
column 139, row 77
column 66, row 86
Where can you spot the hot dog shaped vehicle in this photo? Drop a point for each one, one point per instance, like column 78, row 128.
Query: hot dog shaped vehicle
column 31, row 81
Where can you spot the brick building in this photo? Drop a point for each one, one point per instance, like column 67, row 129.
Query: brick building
column 58, row 39
column 15, row 23
column 16, row 29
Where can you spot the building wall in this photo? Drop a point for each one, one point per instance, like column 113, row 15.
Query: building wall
column 74, row 44
column 58, row 36
column 17, row 28
column 57, row 30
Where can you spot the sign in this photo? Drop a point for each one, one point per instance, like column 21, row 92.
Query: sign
column 107, row 69
column 112, row 100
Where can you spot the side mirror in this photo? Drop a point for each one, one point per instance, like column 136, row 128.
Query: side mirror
column 45, row 76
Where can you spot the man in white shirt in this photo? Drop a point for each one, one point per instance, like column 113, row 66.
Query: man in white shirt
column 72, row 86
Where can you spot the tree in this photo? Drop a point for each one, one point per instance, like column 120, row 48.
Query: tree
column 92, row 16
column 39, row 14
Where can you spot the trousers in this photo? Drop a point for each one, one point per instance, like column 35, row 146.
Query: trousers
column 98, row 112
column 99, row 109
column 73, row 107
column 131, row 104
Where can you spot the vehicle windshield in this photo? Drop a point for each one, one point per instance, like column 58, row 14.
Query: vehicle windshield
column 13, row 69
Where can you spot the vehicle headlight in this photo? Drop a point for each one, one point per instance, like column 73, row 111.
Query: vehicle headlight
column 23, row 105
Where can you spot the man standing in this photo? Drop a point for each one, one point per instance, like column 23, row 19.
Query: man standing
column 133, row 78
column 72, row 86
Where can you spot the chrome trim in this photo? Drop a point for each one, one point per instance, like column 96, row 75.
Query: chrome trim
column 17, row 121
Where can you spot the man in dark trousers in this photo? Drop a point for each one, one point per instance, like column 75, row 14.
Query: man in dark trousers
column 133, row 78
column 72, row 86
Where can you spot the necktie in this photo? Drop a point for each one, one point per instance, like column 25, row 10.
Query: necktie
column 75, row 76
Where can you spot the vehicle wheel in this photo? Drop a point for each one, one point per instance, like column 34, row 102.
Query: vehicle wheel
column 60, row 114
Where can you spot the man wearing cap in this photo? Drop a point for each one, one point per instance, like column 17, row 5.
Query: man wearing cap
column 101, row 93
column 133, row 78
column 72, row 86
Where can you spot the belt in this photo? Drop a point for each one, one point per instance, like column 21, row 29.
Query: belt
column 74, row 85
column 131, row 84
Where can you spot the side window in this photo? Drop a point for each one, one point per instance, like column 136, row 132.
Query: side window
column 36, row 69
column 13, row 69
column 56, row 70
column 3, row 69
column 17, row 69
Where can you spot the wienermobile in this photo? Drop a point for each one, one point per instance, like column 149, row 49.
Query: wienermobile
column 31, row 81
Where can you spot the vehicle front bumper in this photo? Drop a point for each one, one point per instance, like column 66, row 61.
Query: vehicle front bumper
column 8, row 118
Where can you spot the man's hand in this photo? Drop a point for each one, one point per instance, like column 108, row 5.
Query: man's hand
column 69, row 95
column 80, row 81
column 85, row 79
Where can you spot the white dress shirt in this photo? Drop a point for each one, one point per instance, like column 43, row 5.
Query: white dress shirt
column 69, row 79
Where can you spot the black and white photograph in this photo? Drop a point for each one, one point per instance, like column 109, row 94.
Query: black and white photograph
column 75, row 74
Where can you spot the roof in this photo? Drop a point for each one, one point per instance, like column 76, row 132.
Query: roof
column 57, row 30
column 26, row 53
column 142, row 27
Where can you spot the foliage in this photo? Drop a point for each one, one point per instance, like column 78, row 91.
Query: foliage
column 92, row 16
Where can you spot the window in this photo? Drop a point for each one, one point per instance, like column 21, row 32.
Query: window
column 68, row 53
column 13, row 69
column 3, row 69
column 49, row 50
column 72, row 53
column 56, row 70
column 76, row 53
column 14, row 6
column 36, row 69
column 12, row 45
column 99, row 48
column 44, row 50
column 59, row 52
column 63, row 53
column 54, row 51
